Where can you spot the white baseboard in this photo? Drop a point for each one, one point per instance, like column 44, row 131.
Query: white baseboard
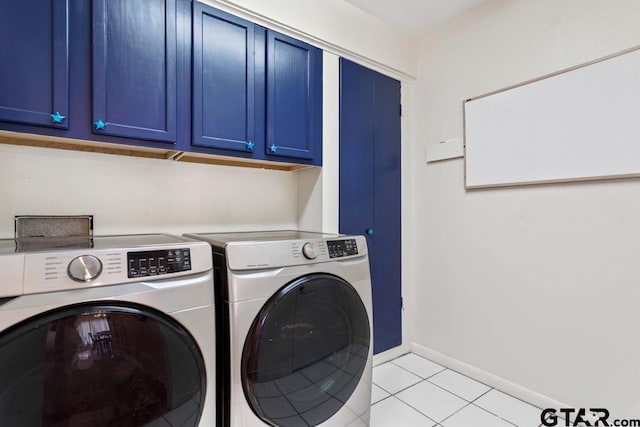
column 388, row 355
column 505, row 386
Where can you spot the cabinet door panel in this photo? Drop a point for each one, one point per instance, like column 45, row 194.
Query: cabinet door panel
column 294, row 98
column 34, row 75
column 134, row 68
column 223, row 80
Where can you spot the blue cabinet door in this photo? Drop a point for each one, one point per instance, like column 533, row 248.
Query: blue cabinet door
column 294, row 99
column 223, row 80
column 135, row 69
column 370, row 187
column 34, row 75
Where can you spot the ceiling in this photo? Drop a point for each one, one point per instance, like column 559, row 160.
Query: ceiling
column 415, row 17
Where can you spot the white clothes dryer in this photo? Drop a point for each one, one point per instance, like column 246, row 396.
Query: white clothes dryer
column 294, row 311
column 106, row 331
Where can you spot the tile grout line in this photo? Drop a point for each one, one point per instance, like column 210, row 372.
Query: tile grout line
column 439, row 386
column 468, row 402
column 411, row 372
column 482, row 409
column 407, row 388
column 418, row 411
column 463, row 398
column 421, row 380
column 466, row 376
column 384, row 398
column 506, row 394
column 382, row 388
column 519, row 400
column 483, row 394
column 405, row 403
column 486, row 410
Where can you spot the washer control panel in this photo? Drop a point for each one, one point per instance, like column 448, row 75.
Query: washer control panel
column 155, row 263
column 90, row 267
column 342, row 248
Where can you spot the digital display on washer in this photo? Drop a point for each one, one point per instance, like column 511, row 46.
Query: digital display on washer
column 340, row 248
column 155, row 263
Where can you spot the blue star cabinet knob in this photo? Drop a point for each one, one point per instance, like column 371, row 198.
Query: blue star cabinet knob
column 57, row 117
column 249, row 145
column 99, row 124
column 273, row 148
column 369, row 231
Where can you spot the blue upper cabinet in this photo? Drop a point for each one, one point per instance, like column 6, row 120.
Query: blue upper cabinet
column 223, row 81
column 34, row 75
column 171, row 74
column 294, row 99
column 135, row 69
column 256, row 93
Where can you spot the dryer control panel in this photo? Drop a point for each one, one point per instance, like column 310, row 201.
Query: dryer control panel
column 270, row 254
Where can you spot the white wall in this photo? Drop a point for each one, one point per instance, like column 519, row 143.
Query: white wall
column 336, row 26
column 134, row 195
column 318, row 188
column 537, row 285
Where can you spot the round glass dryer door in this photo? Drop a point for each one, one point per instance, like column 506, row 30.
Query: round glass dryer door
column 100, row 365
column 306, row 351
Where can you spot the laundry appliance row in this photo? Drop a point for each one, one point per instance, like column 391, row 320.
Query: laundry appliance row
column 231, row 329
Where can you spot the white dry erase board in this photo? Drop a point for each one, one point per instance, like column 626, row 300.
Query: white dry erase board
column 578, row 124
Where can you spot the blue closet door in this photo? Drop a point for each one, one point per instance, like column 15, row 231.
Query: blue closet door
column 34, row 75
column 370, row 187
column 356, row 195
column 135, row 88
column 386, row 239
column 294, row 98
column 223, row 80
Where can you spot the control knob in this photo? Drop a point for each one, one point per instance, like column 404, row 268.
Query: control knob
column 84, row 268
column 309, row 251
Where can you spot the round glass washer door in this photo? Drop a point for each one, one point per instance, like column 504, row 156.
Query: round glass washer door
column 306, row 351
column 100, row 365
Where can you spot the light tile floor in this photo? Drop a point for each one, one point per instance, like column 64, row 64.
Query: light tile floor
column 412, row 391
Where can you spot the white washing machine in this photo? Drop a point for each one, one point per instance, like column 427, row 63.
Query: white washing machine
column 294, row 311
column 106, row 331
